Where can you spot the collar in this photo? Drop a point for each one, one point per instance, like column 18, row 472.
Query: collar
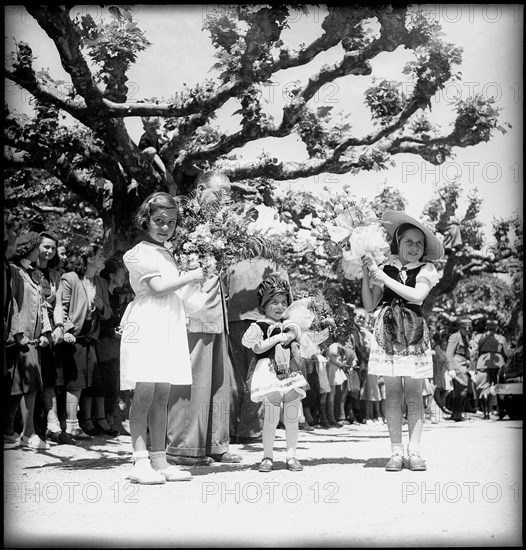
column 394, row 260
column 166, row 246
column 27, row 265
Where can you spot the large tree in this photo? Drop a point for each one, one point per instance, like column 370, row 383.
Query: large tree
column 99, row 161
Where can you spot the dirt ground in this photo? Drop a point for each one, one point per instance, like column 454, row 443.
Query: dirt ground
column 470, row 495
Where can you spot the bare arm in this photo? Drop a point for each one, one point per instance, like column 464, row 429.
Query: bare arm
column 162, row 284
column 370, row 297
column 264, row 345
column 417, row 294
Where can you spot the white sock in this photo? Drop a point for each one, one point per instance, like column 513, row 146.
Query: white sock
column 141, row 459
column 397, row 449
column 72, row 425
column 158, row 460
column 413, row 448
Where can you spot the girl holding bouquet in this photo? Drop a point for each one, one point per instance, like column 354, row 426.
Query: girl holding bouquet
column 400, row 351
column 274, row 381
column 154, row 345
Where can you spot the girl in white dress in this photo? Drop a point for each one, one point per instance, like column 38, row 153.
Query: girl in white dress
column 274, row 380
column 154, row 345
column 400, row 350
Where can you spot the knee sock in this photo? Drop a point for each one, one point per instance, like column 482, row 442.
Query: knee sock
column 291, row 413
column 72, row 407
column 270, row 422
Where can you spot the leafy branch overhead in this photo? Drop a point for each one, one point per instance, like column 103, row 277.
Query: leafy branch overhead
column 250, row 49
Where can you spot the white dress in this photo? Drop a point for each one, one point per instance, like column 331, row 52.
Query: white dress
column 154, row 344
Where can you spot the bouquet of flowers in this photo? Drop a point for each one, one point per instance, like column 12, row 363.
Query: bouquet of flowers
column 354, row 227
column 310, row 320
column 213, row 236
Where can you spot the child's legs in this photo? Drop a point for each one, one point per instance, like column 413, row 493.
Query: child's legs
column 50, row 404
column 157, row 418
column 72, row 405
column 272, row 407
column 323, row 407
column 415, row 410
column 330, row 405
column 28, row 410
column 393, row 410
column 13, row 406
column 140, row 406
column 376, row 410
column 291, row 416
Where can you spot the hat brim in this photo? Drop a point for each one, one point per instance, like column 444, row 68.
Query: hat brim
column 392, row 219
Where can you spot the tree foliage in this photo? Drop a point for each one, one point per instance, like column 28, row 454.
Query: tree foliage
column 97, row 156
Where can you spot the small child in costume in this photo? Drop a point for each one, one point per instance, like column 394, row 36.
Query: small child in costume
column 274, row 381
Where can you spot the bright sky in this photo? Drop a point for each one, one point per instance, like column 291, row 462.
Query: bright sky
column 492, row 40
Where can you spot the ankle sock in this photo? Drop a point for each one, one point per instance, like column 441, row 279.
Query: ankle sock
column 397, row 449
column 158, row 460
column 413, row 449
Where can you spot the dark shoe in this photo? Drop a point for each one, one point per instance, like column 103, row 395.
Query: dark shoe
column 78, row 434
column 324, row 425
column 226, row 458
column 306, row 427
column 107, row 431
column 294, row 465
column 60, row 438
column 414, row 463
column 395, row 464
column 335, row 424
column 190, row 460
column 266, row 465
column 90, row 428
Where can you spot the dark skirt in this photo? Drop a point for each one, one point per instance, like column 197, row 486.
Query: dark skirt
column 78, row 361
column 49, row 366
column 27, row 374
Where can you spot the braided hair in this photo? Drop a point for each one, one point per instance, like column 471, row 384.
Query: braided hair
column 269, row 288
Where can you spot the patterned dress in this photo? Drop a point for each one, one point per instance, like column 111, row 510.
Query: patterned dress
column 390, row 356
column 274, row 371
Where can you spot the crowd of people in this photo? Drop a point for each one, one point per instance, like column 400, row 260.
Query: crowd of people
column 97, row 346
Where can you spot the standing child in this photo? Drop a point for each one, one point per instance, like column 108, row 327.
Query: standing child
column 400, row 351
column 273, row 381
column 154, row 345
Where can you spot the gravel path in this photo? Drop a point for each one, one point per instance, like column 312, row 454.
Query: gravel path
column 471, row 494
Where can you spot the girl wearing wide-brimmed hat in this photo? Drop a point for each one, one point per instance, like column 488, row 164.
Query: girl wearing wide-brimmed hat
column 400, row 350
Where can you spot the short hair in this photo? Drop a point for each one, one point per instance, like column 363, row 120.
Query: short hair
column 399, row 233
column 155, row 201
column 112, row 265
column 25, row 244
column 49, row 235
column 78, row 261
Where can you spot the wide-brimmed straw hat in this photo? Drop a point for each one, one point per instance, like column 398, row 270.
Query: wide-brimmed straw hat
column 392, row 219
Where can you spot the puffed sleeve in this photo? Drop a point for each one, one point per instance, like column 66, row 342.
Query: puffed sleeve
column 252, row 336
column 142, row 262
column 428, row 274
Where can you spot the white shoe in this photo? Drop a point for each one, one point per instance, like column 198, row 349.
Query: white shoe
column 172, row 473
column 144, row 474
column 34, row 442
